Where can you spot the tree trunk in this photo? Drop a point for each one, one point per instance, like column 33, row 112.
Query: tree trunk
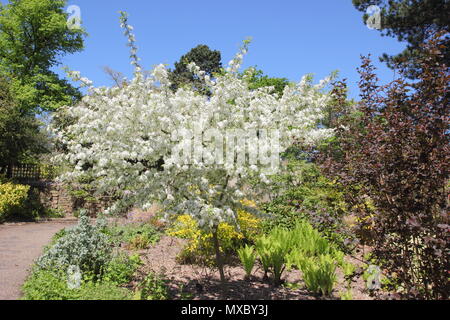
column 218, row 255
column 9, row 169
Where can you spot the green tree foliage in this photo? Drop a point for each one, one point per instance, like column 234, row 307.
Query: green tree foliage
column 33, row 38
column 411, row 21
column 20, row 136
column 257, row 79
column 208, row 60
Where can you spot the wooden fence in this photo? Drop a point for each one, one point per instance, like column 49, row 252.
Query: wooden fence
column 30, row 172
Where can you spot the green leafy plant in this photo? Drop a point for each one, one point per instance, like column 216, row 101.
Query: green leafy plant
column 284, row 249
column 61, row 233
column 121, row 269
column 281, row 244
column 104, row 291
column 349, row 270
column 247, row 255
column 319, row 274
column 273, row 250
column 263, row 249
column 309, row 240
column 139, row 242
column 292, row 286
column 52, row 285
column 79, row 265
column 152, row 287
column 347, row 295
column 278, row 262
column 304, row 248
column 54, row 213
column 48, row 285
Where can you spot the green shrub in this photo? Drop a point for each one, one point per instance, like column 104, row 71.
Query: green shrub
column 278, row 261
column 349, row 273
column 12, row 199
column 23, row 202
column 273, row 251
column 54, row 213
column 60, row 234
column 247, row 256
column 301, row 185
column 139, row 242
column 120, row 269
column 280, row 243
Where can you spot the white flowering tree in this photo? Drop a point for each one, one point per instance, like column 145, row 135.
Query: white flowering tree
column 147, row 143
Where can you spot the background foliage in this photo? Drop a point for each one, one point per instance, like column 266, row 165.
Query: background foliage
column 396, row 154
column 412, row 22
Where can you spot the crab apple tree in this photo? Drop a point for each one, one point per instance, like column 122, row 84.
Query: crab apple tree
column 146, row 143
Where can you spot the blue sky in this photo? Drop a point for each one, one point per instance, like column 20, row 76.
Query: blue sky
column 290, row 37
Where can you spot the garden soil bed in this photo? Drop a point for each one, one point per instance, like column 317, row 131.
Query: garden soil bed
column 201, row 283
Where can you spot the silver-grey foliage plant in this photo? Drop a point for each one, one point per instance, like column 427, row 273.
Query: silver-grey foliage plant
column 84, row 246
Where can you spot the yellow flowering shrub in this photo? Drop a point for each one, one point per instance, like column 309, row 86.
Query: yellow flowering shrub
column 249, row 224
column 12, row 197
column 200, row 248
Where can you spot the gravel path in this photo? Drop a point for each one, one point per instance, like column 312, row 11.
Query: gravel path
column 20, row 245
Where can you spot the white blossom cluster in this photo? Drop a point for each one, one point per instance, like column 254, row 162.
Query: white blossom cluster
column 123, row 136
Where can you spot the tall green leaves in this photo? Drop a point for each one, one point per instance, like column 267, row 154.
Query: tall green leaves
column 319, row 273
column 303, row 248
column 247, row 255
